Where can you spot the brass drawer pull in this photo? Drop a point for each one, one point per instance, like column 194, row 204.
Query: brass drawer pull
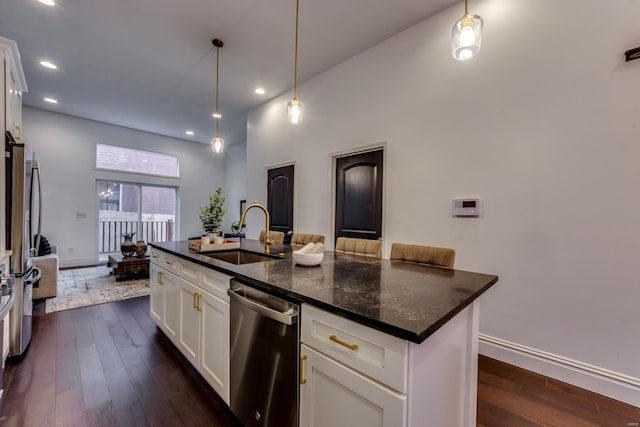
column 303, row 380
column 156, row 256
column 199, row 302
column 160, row 274
column 335, row 339
column 195, row 300
column 169, row 262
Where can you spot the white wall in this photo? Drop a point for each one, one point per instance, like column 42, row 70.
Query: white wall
column 542, row 126
column 65, row 147
column 235, row 187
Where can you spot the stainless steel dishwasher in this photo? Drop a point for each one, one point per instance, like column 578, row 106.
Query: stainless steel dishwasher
column 264, row 358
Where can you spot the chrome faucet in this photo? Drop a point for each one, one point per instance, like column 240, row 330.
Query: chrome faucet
column 267, row 239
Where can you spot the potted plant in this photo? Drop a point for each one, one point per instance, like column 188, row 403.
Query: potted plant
column 213, row 214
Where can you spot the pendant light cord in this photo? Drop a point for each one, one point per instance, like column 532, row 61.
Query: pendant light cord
column 466, row 7
column 295, row 65
column 217, row 77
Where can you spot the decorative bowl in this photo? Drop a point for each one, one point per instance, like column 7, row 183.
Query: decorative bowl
column 308, row 260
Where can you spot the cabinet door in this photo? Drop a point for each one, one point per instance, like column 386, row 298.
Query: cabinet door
column 214, row 346
column 335, row 395
column 10, row 95
column 188, row 321
column 171, row 288
column 156, row 295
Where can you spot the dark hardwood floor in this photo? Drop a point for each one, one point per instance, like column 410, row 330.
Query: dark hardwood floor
column 108, row 365
column 512, row 397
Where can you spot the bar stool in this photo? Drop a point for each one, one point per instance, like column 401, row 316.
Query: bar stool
column 440, row 257
column 350, row 245
column 276, row 236
column 302, row 238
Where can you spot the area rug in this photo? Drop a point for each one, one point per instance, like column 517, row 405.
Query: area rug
column 80, row 287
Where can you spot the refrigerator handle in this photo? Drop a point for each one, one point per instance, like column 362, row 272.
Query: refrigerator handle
column 37, row 242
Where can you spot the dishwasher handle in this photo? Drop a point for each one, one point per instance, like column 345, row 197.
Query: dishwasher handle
column 288, row 318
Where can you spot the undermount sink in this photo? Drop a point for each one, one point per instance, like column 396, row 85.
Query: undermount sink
column 240, row 257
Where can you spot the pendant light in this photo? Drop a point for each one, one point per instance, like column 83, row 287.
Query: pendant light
column 466, row 35
column 217, row 143
column 295, row 107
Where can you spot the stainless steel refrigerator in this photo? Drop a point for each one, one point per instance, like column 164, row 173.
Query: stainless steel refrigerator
column 24, row 214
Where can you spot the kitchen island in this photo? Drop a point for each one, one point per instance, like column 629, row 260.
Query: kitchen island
column 415, row 327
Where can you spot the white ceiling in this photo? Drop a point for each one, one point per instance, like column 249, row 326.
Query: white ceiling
column 150, row 64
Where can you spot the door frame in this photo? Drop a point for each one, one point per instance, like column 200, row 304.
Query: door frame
column 375, row 146
column 176, row 230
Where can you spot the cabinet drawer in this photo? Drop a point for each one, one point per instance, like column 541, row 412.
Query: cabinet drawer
column 190, row 271
column 170, row 263
column 157, row 257
column 333, row 395
column 378, row 355
column 215, row 282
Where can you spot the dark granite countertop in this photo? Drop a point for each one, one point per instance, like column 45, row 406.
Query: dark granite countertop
column 407, row 300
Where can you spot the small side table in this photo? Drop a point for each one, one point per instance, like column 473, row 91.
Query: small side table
column 129, row 267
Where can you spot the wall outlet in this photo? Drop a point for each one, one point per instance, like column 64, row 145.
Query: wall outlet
column 81, row 215
column 71, row 250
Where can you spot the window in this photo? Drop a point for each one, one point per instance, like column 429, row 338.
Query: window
column 130, row 160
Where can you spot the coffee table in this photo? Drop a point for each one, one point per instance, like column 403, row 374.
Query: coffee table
column 129, row 267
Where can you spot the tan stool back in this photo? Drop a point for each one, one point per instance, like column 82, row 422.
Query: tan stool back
column 441, row 257
column 349, row 245
column 276, row 236
column 303, row 239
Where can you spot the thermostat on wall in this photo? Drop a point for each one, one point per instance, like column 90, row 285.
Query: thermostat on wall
column 466, row 207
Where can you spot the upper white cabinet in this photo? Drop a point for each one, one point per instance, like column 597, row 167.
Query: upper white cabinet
column 12, row 85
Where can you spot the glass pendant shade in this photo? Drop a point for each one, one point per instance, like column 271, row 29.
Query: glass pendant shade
column 217, row 144
column 466, row 36
column 295, row 110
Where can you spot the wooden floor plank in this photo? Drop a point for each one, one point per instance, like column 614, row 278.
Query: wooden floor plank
column 120, row 388
column 67, row 373
column 70, row 408
column 530, row 410
column 494, row 416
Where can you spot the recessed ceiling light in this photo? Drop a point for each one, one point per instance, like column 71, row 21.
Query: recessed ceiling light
column 260, row 91
column 217, row 116
column 189, row 132
column 48, row 2
column 50, row 65
column 50, row 100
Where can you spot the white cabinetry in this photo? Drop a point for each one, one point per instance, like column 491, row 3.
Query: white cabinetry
column 12, row 85
column 189, row 320
column 357, row 376
column 156, row 294
column 335, row 395
column 214, row 346
column 197, row 299
column 163, row 300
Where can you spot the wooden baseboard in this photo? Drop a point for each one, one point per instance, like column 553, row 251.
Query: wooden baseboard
column 599, row 380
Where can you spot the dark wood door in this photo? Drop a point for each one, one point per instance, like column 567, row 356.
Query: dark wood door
column 280, row 198
column 359, row 196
